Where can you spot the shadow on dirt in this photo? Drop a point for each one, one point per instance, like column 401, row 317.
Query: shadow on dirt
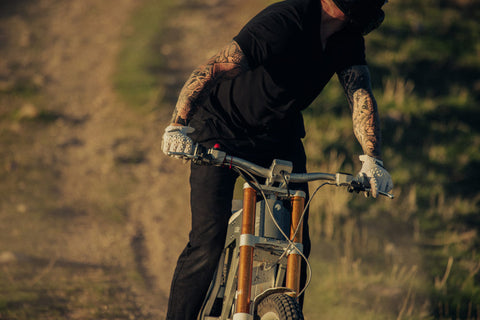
column 12, row 7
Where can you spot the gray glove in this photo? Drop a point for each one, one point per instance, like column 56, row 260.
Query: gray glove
column 175, row 139
column 375, row 173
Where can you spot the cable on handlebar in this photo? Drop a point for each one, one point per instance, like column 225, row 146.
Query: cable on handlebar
column 252, row 182
column 286, row 184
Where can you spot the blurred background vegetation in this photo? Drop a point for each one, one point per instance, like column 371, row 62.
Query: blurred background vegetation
column 415, row 257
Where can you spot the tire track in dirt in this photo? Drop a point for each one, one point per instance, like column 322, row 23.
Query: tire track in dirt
column 98, row 140
column 106, row 156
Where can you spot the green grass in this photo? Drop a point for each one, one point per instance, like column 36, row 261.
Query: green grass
column 140, row 60
column 343, row 288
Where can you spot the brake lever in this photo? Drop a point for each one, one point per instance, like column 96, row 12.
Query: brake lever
column 361, row 186
column 385, row 194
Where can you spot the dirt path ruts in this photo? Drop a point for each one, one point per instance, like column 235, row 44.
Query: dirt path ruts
column 85, row 39
column 68, row 51
column 95, row 140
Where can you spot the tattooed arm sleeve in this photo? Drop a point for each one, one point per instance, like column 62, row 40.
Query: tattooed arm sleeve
column 226, row 64
column 366, row 125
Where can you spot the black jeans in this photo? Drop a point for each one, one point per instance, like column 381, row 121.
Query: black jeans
column 211, row 198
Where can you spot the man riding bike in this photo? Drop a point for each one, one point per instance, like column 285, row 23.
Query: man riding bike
column 249, row 97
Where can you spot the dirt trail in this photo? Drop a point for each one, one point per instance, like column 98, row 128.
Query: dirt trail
column 97, row 140
column 105, row 158
column 112, row 185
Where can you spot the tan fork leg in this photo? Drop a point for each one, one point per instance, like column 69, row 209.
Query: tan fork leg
column 294, row 258
column 246, row 251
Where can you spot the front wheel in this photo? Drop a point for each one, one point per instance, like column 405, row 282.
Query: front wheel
column 279, row 307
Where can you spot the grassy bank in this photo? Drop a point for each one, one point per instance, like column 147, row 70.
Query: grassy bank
column 417, row 254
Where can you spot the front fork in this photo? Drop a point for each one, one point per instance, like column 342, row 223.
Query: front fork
column 245, row 262
column 296, row 236
column 247, row 246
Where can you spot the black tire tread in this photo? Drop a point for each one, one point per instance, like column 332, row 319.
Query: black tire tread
column 286, row 307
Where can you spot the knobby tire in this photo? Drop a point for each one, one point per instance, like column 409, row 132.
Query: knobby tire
column 279, row 307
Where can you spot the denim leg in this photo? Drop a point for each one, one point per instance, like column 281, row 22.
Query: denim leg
column 211, row 198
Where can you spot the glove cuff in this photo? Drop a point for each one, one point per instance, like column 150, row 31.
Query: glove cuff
column 371, row 160
column 182, row 129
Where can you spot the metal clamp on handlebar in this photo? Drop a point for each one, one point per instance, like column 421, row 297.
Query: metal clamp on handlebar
column 204, row 156
column 343, row 179
column 280, row 169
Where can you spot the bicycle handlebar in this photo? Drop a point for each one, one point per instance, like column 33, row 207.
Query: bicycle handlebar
column 280, row 171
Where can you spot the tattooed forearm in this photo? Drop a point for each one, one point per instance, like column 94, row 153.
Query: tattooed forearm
column 366, row 124
column 227, row 64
